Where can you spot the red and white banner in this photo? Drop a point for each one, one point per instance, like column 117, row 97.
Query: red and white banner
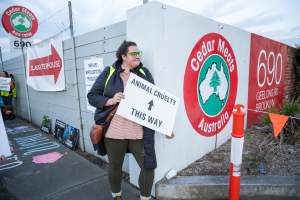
column 45, row 67
column 266, row 76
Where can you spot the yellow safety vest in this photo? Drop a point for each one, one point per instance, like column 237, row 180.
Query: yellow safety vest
column 112, row 70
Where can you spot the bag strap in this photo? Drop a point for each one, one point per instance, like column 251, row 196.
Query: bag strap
column 111, row 71
column 111, row 114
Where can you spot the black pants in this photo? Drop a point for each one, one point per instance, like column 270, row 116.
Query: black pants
column 116, row 150
column 7, row 100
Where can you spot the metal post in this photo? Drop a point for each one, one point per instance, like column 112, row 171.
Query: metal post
column 76, row 72
column 145, row 1
column 26, row 86
column 1, row 60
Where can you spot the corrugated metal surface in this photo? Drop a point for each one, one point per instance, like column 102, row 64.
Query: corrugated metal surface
column 62, row 105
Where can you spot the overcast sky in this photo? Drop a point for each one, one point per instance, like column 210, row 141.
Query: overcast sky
column 276, row 19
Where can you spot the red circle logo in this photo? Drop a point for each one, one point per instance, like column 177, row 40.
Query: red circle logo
column 19, row 21
column 210, row 84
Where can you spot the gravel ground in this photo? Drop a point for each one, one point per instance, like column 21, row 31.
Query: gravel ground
column 262, row 155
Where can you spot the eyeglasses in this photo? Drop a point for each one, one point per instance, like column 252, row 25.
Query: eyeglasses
column 135, row 53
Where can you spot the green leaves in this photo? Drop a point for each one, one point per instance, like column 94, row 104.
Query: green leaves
column 290, row 108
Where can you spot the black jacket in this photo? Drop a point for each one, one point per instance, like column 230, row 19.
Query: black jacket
column 98, row 95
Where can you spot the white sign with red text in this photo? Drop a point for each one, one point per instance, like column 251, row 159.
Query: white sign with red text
column 45, row 67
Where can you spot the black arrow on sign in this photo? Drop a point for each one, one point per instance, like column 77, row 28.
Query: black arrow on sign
column 150, row 105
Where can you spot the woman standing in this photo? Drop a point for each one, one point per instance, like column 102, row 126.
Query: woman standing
column 123, row 135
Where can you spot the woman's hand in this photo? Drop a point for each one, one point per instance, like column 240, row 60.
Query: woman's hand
column 116, row 99
column 171, row 136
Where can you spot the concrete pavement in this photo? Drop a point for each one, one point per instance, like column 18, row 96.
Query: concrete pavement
column 70, row 177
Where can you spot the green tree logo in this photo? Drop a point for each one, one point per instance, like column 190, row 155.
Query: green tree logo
column 213, row 85
column 214, row 81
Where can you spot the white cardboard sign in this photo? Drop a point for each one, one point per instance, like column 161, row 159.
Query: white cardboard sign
column 148, row 105
column 5, row 83
column 4, row 145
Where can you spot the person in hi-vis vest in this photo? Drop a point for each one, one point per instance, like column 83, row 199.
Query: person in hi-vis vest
column 7, row 96
column 124, row 136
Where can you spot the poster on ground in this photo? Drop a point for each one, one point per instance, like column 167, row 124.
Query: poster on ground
column 59, row 129
column 71, row 137
column 46, row 124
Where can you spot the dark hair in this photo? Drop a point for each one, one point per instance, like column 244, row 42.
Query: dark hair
column 123, row 49
column 6, row 73
column 11, row 76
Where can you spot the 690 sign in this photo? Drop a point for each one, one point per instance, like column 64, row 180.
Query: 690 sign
column 266, row 76
column 269, row 68
column 21, row 44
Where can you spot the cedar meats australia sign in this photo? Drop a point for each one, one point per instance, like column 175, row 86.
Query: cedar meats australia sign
column 45, row 68
column 210, row 84
column 19, row 21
